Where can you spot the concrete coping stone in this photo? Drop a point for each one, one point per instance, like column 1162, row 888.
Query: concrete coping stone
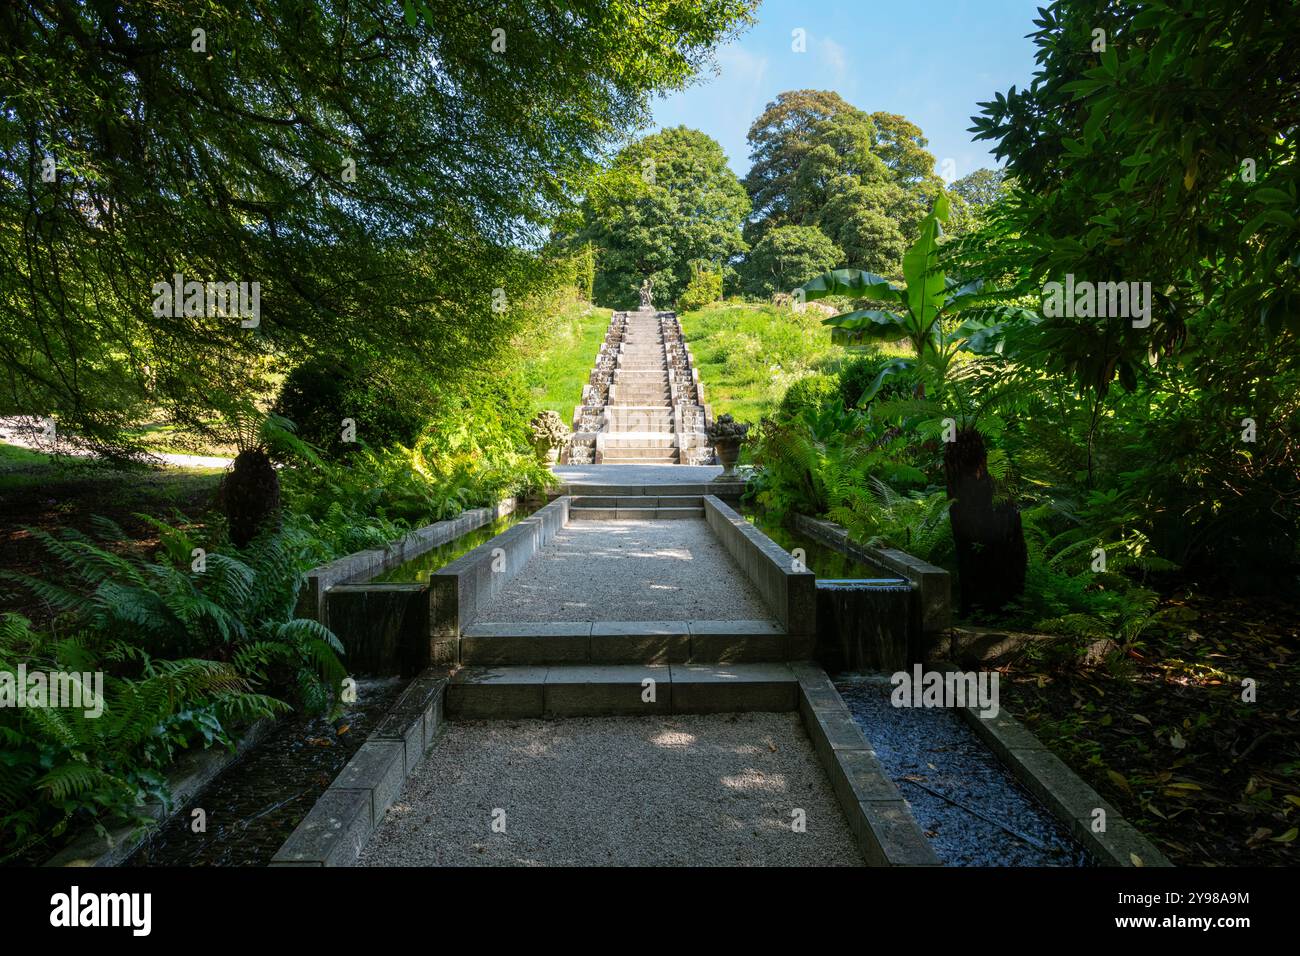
column 361, row 566
column 731, row 673
column 881, row 820
column 336, row 828
column 542, row 629
column 528, row 629
column 790, row 594
column 590, row 673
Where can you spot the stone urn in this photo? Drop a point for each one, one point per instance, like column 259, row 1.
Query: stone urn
column 547, row 454
column 549, row 436
column 726, row 435
column 728, row 450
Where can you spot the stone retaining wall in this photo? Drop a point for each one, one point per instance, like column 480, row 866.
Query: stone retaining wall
column 933, row 607
column 364, row 565
column 340, row 823
column 459, row 590
column 886, row 832
column 791, row 594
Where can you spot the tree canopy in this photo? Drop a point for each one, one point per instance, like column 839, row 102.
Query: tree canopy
column 378, row 176
column 1156, row 144
column 667, row 200
column 865, row 180
column 787, row 257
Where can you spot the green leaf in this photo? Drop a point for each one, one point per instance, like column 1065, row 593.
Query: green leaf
column 851, row 282
column 1270, row 195
column 875, row 322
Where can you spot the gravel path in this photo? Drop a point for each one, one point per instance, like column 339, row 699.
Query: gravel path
column 671, row 570
column 623, row 791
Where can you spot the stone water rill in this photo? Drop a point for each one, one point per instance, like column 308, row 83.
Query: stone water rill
column 864, row 625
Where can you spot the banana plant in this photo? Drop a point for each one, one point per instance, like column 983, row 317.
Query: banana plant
column 925, row 310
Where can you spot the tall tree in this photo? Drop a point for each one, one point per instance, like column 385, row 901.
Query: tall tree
column 1156, row 143
column 865, row 180
column 779, row 141
column 667, row 201
column 372, row 173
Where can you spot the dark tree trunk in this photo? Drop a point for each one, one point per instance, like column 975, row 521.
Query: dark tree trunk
column 250, row 496
column 991, row 554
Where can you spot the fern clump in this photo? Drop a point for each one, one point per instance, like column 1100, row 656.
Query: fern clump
column 190, row 651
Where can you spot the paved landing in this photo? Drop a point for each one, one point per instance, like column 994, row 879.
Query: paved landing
column 636, row 474
column 629, row 571
column 642, row 791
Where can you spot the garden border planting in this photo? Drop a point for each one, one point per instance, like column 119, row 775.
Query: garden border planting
column 361, row 566
column 193, row 771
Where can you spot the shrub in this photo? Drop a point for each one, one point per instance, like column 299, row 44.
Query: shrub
column 815, row 391
column 704, row 288
column 318, row 394
column 186, row 655
column 787, row 257
column 857, row 375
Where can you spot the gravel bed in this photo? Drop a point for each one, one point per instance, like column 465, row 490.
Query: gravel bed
column 984, row 816
column 665, row 570
column 618, row 791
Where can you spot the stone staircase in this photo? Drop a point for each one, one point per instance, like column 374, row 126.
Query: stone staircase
column 643, row 404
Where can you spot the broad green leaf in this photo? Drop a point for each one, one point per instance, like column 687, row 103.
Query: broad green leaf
column 851, row 282
column 876, row 323
column 891, row 368
column 925, row 281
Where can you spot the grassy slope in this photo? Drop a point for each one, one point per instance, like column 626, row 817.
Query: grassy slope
column 559, row 366
column 748, row 355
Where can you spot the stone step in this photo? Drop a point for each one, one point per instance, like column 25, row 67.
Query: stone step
column 636, row 501
column 648, row 413
column 642, row 461
column 639, row 453
column 640, row 440
column 622, row 642
column 640, row 428
column 634, row 514
column 519, row 691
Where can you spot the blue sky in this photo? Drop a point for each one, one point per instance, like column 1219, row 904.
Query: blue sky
column 930, row 60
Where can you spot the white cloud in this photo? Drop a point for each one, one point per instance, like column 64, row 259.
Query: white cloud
column 835, row 57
